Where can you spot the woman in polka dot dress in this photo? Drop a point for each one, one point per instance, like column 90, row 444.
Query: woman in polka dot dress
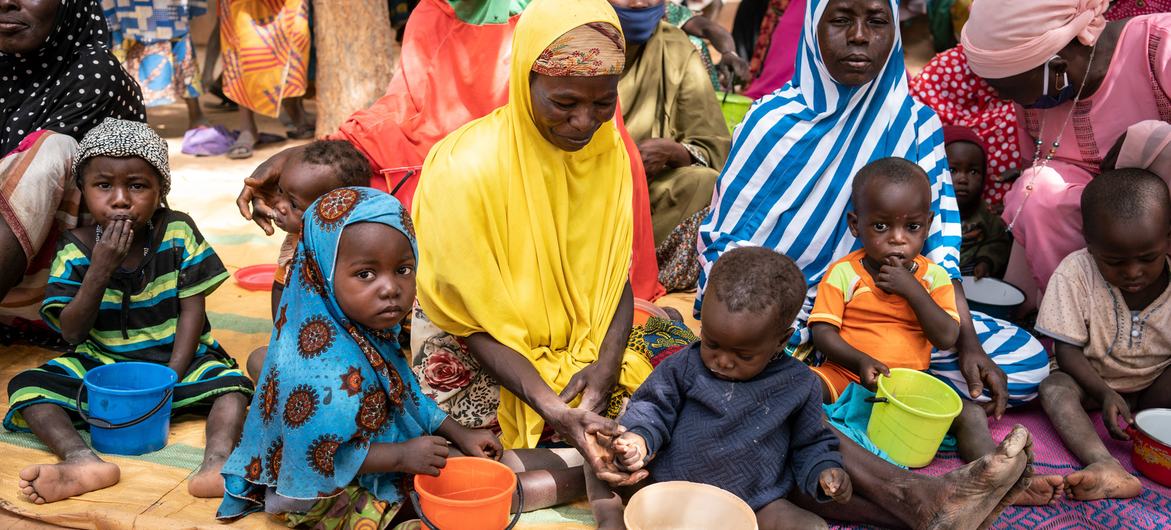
column 57, row 81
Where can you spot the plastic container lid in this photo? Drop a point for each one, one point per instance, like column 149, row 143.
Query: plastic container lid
column 257, row 277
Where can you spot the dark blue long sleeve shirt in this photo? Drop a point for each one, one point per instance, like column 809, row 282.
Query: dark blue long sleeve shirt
column 758, row 438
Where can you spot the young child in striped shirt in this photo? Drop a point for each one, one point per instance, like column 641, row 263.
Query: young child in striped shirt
column 131, row 287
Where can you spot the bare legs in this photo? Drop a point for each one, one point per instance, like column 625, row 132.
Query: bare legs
column 224, row 424
column 1103, row 477
column 80, row 470
column 975, row 440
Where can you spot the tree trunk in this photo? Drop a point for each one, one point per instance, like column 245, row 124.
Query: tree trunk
column 355, row 57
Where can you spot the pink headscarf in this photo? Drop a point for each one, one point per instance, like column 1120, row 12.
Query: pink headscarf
column 1148, row 146
column 1004, row 38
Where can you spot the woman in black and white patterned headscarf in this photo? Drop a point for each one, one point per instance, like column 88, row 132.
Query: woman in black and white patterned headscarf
column 57, row 81
column 56, row 72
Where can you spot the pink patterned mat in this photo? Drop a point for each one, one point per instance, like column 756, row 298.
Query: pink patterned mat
column 1151, row 510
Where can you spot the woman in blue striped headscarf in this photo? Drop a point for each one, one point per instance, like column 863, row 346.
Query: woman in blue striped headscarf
column 787, row 183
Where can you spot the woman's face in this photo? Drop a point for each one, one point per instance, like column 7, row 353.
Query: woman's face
column 568, row 110
column 1026, row 88
column 855, row 37
column 26, row 24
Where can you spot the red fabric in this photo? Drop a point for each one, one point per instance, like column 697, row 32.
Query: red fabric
column 960, row 97
column 450, row 73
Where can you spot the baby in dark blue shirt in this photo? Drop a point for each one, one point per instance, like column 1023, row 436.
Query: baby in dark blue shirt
column 734, row 410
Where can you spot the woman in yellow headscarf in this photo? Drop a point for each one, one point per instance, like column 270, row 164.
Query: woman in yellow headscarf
column 525, row 232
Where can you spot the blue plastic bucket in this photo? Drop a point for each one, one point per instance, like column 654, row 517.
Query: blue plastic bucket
column 129, row 406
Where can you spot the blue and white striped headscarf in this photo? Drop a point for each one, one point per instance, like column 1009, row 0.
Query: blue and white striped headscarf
column 787, row 182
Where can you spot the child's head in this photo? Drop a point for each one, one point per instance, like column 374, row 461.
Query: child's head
column 122, row 171
column 321, row 166
column 752, row 299
column 374, row 268
column 892, row 210
column 1126, row 215
column 968, row 162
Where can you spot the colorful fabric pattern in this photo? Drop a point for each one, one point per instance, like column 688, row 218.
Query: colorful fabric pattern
column 962, row 98
column 38, row 201
column 57, row 382
column 139, row 311
column 677, row 256
column 352, row 509
column 592, row 50
column 151, row 21
column 330, row 388
column 265, row 51
column 166, row 71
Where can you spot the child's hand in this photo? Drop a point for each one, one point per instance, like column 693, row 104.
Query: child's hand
column 479, row 443
column 112, row 248
column 835, row 483
column 424, row 455
column 1113, row 406
column 630, row 451
column 982, row 270
column 894, row 278
column 869, row 370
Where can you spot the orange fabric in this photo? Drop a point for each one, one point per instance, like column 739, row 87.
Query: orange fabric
column 836, row 377
column 879, row 324
column 450, row 73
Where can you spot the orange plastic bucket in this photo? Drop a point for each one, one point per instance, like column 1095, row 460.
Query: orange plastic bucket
column 644, row 310
column 469, row 494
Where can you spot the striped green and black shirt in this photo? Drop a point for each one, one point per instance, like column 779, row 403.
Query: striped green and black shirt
column 139, row 312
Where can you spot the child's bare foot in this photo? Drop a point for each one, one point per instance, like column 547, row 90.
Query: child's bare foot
column 207, row 482
column 973, row 496
column 1103, row 480
column 1042, row 490
column 44, row 483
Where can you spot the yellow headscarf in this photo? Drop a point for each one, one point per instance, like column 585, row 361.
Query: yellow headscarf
column 524, row 241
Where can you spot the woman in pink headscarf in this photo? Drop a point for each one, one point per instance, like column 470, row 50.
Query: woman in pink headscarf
column 1080, row 82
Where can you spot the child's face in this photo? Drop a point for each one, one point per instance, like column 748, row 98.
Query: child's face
column 1131, row 254
column 301, row 184
column 374, row 278
column 967, row 171
column 738, row 346
column 121, row 188
column 892, row 220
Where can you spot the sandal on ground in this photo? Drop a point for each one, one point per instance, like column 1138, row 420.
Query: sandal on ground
column 304, row 132
column 239, row 151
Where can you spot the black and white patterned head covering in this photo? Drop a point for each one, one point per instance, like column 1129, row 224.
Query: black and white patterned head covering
column 123, row 138
column 70, row 84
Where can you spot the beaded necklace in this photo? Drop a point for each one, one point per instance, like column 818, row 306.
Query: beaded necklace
column 1041, row 163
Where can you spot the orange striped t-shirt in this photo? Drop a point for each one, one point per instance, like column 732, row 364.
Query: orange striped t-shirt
column 878, row 323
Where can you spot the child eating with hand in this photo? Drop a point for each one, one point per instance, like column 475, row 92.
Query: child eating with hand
column 885, row 305
column 1108, row 307
column 986, row 241
column 684, row 424
column 129, row 288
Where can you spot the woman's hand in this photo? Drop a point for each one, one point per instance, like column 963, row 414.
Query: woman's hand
column 112, row 248
column 591, row 435
column 254, row 200
column 733, row 70
column 480, row 443
column 594, row 384
column 659, row 154
column 1114, row 406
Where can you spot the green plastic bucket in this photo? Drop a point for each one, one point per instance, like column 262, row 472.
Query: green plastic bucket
column 912, row 413
column 734, row 107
